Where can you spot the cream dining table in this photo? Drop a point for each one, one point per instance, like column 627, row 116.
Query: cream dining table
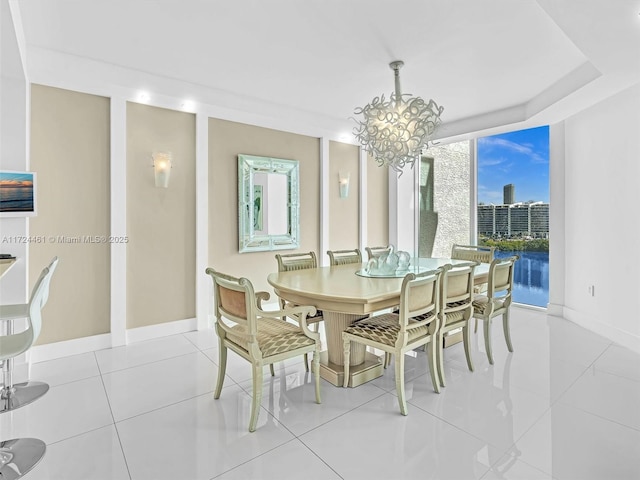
column 345, row 295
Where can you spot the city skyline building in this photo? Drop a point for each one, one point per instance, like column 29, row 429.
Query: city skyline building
column 518, row 219
column 509, row 194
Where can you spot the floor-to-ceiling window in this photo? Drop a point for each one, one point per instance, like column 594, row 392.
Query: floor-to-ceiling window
column 513, row 206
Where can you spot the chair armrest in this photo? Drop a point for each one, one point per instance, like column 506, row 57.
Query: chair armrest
column 262, row 297
column 298, row 313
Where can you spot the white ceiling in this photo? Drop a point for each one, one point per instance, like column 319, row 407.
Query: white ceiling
column 490, row 63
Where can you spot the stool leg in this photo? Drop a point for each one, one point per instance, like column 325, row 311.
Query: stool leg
column 15, row 396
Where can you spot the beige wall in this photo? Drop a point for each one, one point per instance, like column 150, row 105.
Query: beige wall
column 377, row 204
column 343, row 212
column 160, row 221
column 70, row 154
column 226, row 141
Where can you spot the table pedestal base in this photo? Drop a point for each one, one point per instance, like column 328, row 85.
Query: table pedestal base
column 358, row 374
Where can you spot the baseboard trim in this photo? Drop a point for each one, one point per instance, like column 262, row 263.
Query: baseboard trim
column 620, row 337
column 150, row 332
column 555, row 310
column 77, row 346
column 67, row 348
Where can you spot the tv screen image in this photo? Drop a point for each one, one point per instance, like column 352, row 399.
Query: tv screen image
column 17, row 193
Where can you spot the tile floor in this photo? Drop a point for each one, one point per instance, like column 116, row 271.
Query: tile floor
column 565, row 405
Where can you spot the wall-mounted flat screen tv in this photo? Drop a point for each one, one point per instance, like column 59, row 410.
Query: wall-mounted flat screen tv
column 17, row 194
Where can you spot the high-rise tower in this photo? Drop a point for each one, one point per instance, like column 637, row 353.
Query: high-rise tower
column 509, row 194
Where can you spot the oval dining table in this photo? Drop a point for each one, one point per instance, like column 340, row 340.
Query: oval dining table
column 345, row 294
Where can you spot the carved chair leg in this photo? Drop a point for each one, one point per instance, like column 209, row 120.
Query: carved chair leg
column 439, row 338
column 347, row 355
column 433, row 363
column 256, row 396
column 487, row 339
column 222, row 368
column 316, row 372
column 466, row 334
column 507, row 331
column 402, row 401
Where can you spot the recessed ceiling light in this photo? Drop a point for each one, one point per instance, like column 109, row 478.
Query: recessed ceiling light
column 188, row 105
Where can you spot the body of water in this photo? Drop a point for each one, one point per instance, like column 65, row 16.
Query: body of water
column 531, row 282
column 16, row 199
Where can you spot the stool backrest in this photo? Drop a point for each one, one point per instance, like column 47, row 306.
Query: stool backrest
column 39, row 297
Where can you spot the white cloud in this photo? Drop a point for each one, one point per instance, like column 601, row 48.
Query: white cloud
column 523, row 149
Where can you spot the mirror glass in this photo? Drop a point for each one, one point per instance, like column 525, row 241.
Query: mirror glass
column 268, row 203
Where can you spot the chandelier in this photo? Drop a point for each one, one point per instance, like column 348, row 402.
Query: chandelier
column 397, row 130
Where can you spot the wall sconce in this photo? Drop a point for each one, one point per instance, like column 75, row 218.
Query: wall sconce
column 343, row 182
column 162, row 168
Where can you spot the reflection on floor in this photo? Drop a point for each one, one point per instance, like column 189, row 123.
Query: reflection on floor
column 564, row 405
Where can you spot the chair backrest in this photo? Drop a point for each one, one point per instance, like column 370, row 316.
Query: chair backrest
column 296, row 261
column 456, row 292
column 234, row 299
column 473, row 253
column 375, row 252
column 344, row 257
column 39, row 297
column 501, row 277
column 419, row 298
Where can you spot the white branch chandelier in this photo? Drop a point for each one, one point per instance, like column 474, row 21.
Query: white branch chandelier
column 395, row 131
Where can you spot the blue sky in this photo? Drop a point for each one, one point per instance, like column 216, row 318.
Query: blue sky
column 521, row 158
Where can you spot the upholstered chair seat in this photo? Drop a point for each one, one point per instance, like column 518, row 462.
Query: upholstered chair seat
column 273, row 337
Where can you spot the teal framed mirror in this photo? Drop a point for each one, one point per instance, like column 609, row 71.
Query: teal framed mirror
column 268, row 204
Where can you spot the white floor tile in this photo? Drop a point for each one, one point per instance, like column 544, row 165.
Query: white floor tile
column 570, row 444
column 197, row 439
column 510, row 468
column 290, row 397
column 376, row 442
column 562, row 406
column 239, row 369
column 65, row 370
column 573, row 344
column 141, row 389
column 63, row 412
column 494, row 412
column 203, row 339
column 135, row 354
column 524, row 368
column 299, row 462
column 609, row 396
column 620, row 361
column 95, row 455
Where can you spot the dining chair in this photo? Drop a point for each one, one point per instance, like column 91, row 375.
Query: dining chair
column 344, row 257
column 497, row 300
column 299, row 261
column 19, row 455
column 260, row 337
column 473, row 253
column 456, row 308
column 415, row 324
column 374, row 252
